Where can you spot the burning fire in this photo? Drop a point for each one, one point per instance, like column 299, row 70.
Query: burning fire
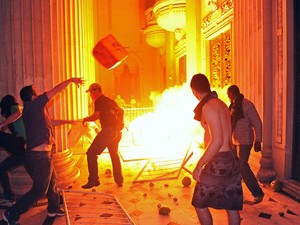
column 170, row 129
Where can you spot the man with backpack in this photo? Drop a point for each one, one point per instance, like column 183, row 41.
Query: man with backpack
column 110, row 116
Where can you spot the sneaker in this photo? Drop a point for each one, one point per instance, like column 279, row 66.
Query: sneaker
column 59, row 212
column 6, row 202
column 8, row 219
column 90, row 184
column 258, row 199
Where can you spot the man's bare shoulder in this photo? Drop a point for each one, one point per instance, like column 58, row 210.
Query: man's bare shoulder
column 215, row 105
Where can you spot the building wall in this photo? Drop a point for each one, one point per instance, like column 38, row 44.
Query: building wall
column 264, row 71
column 46, row 42
column 262, row 45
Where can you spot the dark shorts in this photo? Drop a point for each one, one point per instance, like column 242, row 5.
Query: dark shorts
column 220, row 184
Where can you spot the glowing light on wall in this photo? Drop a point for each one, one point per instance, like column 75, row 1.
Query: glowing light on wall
column 170, row 14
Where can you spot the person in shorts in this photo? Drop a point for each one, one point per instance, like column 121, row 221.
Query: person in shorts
column 217, row 172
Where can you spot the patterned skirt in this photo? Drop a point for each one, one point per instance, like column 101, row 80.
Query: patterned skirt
column 220, row 184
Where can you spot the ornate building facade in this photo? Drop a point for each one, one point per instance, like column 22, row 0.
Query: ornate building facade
column 254, row 44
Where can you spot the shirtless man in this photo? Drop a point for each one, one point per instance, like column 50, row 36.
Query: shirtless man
column 217, row 171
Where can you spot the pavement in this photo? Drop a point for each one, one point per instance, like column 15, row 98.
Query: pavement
column 141, row 200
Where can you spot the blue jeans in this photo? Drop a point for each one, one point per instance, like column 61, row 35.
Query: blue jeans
column 14, row 145
column 107, row 138
column 243, row 153
column 39, row 166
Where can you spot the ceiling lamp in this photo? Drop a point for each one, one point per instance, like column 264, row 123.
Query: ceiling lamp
column 155, row 35
column 170, row 14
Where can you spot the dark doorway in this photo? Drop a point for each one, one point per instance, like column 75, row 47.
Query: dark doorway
column 296, row 147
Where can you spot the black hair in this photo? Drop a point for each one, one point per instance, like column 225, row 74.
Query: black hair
column 6, row 103
column 234, row 90
column 26, row 93
column 200, row 83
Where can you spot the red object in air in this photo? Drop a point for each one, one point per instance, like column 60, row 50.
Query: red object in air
column 109, row 52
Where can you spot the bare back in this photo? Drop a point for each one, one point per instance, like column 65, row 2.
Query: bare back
column 216, row 122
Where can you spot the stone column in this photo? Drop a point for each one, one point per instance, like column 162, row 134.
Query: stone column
column 253, row 68
column 44, row 43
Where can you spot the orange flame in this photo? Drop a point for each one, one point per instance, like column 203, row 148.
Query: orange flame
column 171, row 128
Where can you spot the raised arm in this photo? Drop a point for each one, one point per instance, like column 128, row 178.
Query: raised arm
column 61, row 86
column 12, row 118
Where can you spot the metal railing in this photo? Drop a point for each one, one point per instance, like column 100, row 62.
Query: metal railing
column 131, row 114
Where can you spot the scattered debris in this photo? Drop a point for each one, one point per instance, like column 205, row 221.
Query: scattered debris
column 276, row 185
column 290, row 212
column 106, row 215
column 265, row 215
column 108, row 172
column 164, row 210
column 186, row 181
column 281, row 214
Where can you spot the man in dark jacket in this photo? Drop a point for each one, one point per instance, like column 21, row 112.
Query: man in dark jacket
column 246, row 124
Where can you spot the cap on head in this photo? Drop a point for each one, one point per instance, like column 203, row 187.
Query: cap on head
column 93, row 87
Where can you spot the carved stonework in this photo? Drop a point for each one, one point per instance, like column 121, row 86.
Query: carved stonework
column 226, row 6
column 216, row 30
column 220, row 60
column 217, row 11
column 227, row 59
column 215, row 63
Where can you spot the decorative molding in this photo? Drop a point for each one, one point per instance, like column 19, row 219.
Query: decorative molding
column 218, row 18
column 220, row 60
column 217, row 25
column 180, row 47
column 216, row 29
